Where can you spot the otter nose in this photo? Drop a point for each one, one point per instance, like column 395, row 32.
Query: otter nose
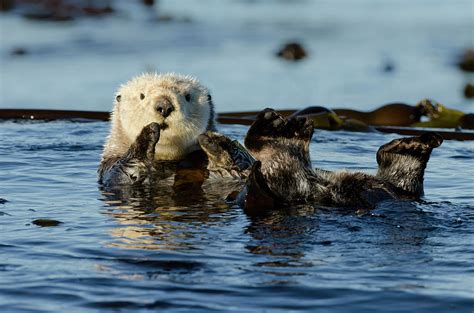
column 164, row 107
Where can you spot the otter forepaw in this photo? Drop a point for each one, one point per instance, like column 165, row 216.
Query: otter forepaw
column 144, row 146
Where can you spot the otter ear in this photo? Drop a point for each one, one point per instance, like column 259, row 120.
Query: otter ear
column 118, row 98
column 434, row 140
column 209, row 97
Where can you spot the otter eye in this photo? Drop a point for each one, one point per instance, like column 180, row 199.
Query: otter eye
column 118, row 98
column 142, row 96
column 187, row 97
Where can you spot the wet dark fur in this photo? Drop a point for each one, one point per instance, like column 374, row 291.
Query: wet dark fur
column 136, row 165
column 283, row 173
column 282, row 147
column 402, row 162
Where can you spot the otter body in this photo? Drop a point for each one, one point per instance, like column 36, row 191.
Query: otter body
column 156, row 119
column 282, row 172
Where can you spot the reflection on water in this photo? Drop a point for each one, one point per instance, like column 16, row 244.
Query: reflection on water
column 165, row 216
column 282, row 237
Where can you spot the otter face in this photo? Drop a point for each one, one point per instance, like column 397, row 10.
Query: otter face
column 224, row 154
column 179, row 104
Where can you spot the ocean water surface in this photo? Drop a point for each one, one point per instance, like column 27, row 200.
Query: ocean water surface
column 67, row 244
column 230, row 46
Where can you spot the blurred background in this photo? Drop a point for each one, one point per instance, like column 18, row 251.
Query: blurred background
column 73, row 55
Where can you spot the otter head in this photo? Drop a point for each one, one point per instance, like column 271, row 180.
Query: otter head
column 179, row 104
column 225, row 156
column 403, row 161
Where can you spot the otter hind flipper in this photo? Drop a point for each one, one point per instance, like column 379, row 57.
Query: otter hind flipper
column 136, row 164
column 300, row 128
column 261, row 132
column 271, row 127
column 432, row 139
column 272, row 132
column 402, row 162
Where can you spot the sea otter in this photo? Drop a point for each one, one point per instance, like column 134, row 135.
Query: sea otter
column 156, row 118
column 283, row 175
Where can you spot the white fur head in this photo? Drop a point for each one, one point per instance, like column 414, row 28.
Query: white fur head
column 188, row 112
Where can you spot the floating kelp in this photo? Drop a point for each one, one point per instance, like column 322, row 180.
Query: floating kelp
column 46, row 222
column 397, row 118
column 292, row 51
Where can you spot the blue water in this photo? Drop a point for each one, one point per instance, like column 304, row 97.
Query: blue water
column 230, row 46
column 190, row 251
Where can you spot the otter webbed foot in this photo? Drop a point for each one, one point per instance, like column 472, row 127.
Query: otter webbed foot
column 271, row 131
column 402, row 162
column 136, row 165
column 271, row 128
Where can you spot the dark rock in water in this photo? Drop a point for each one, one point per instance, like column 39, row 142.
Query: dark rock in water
column 292, row 51
column 2, row 201
column 60, row 11
column 467, row 121
column 165, row 18
column 467, row 61
column 469, row 91
column 45, row 16
column 46, row 222
column 388, row 67
column 95, row 11
column 6, row 5
column 19, row 51
column 148, row 2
